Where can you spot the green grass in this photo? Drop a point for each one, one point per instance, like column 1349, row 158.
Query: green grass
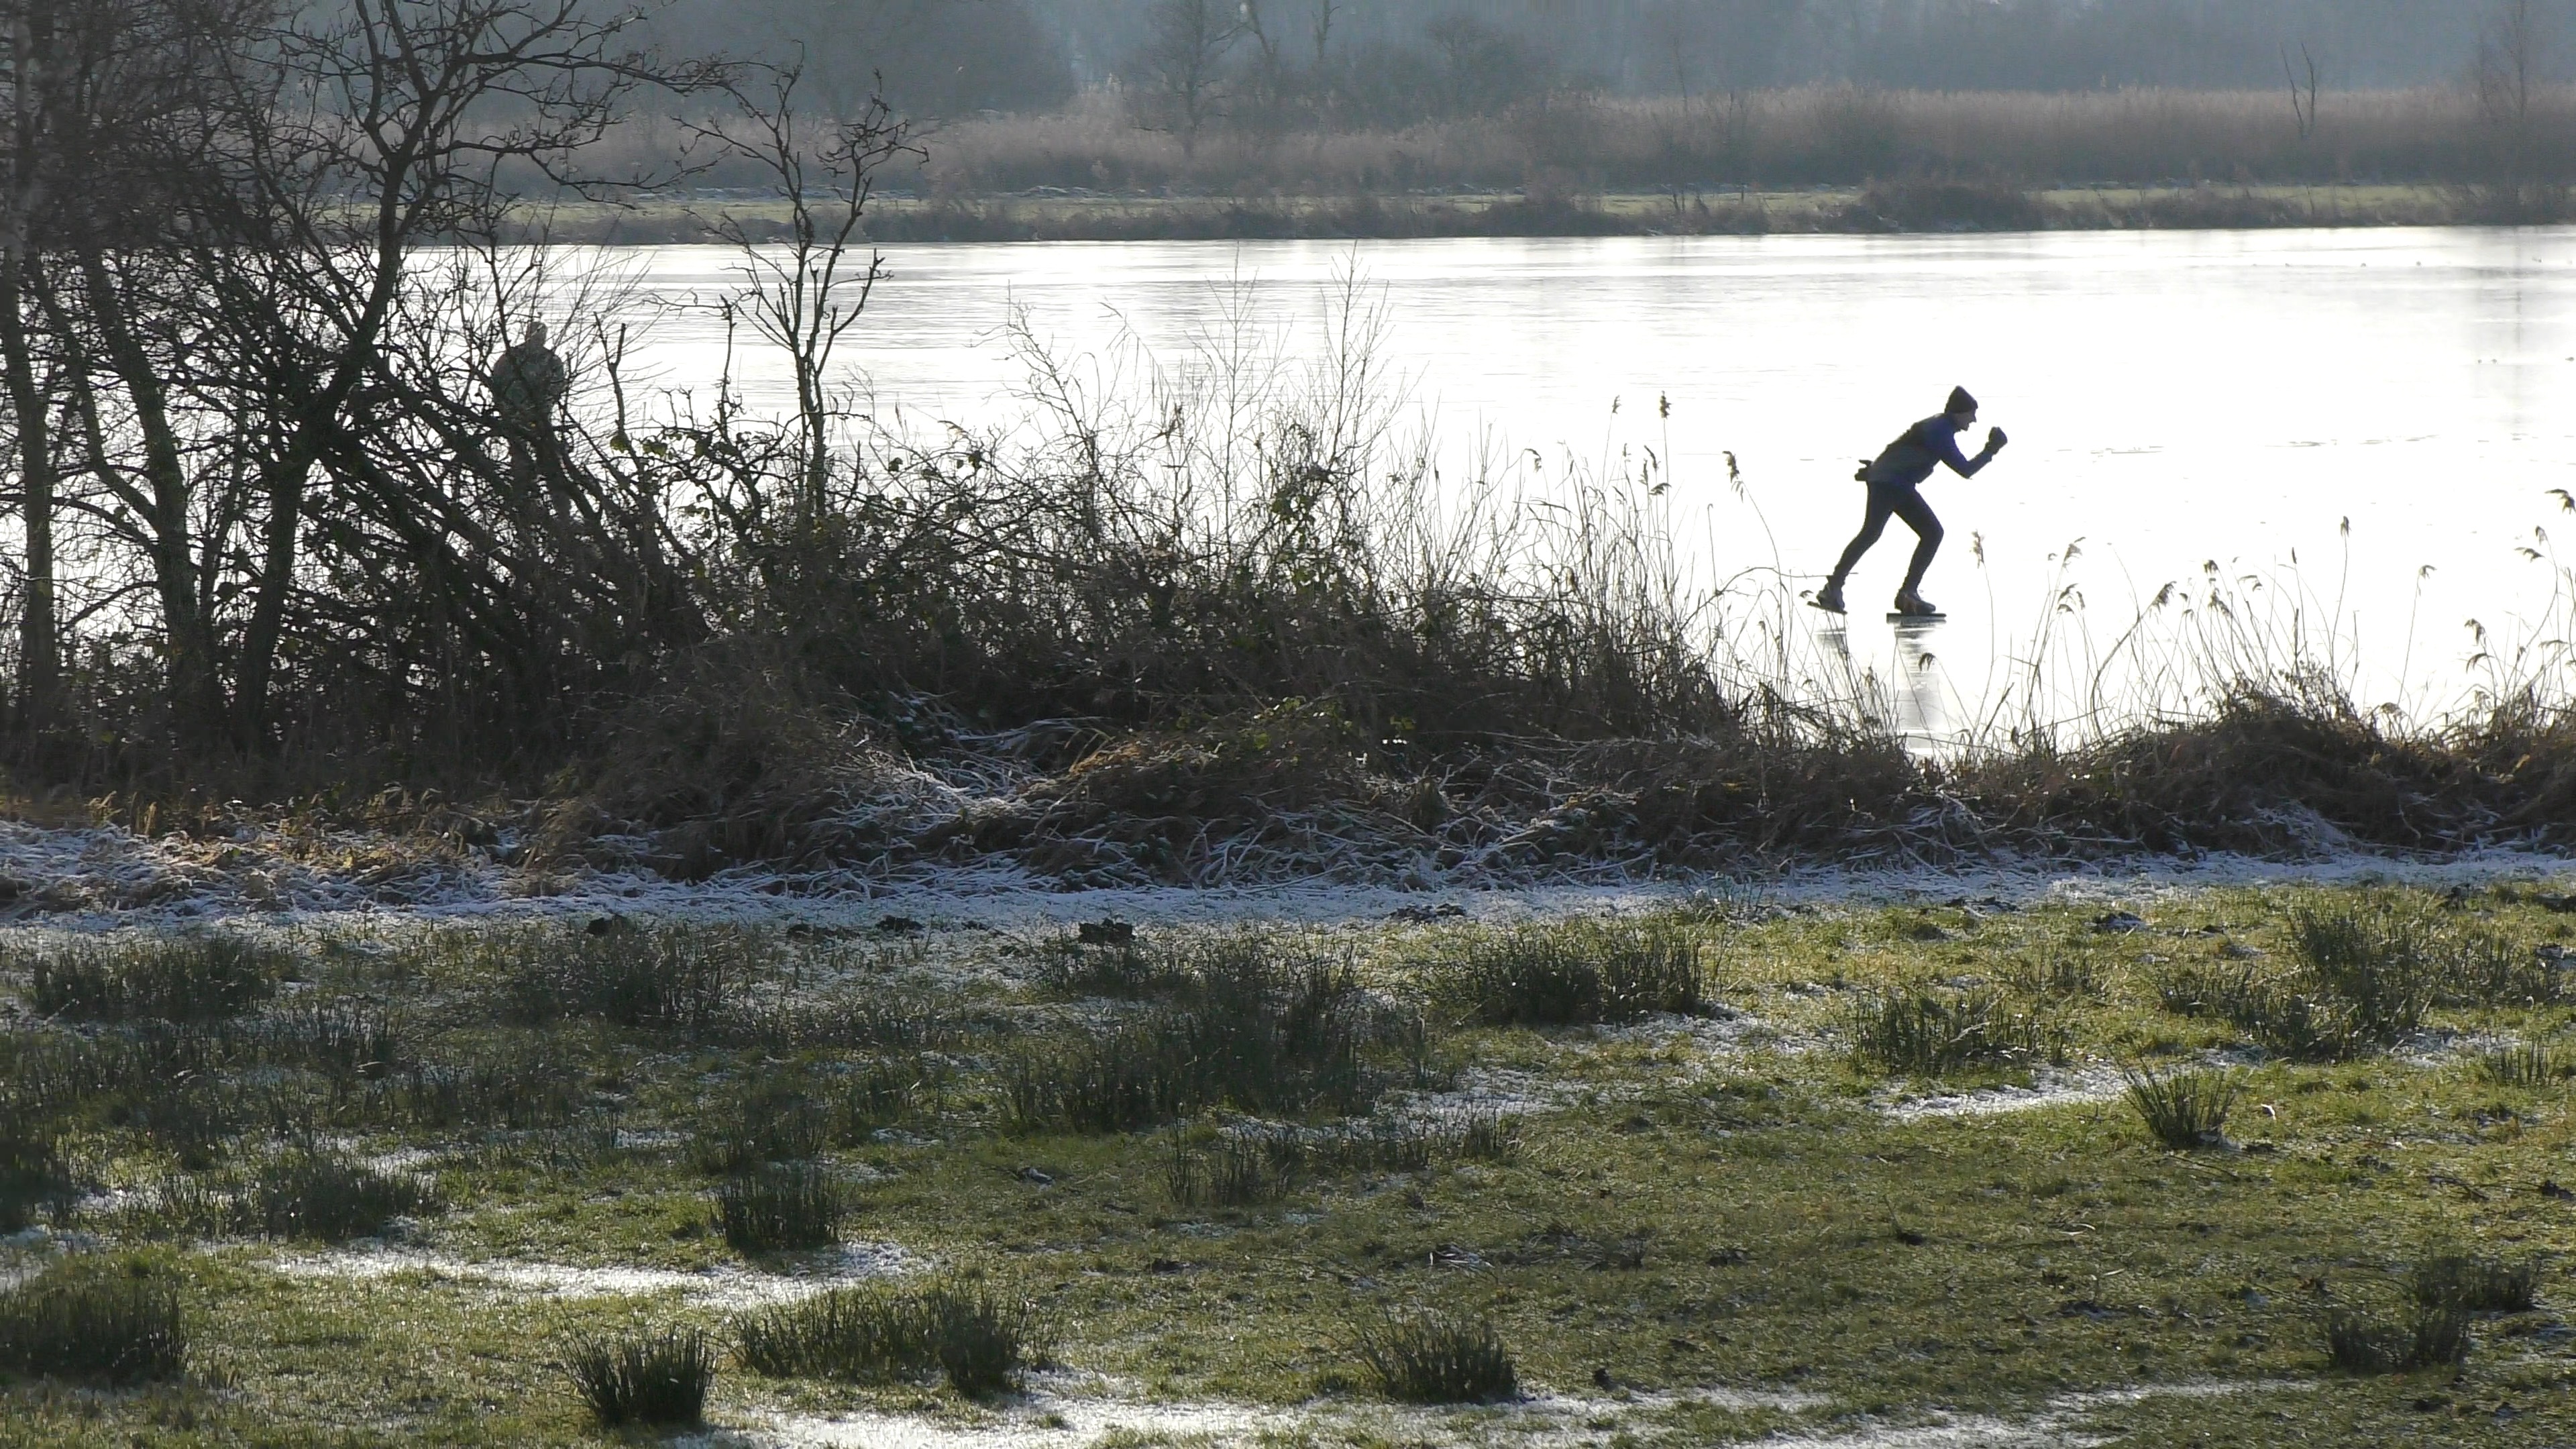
column 309, row 1193
column 791, row 1205
column 976, row 1339
column 1920, row 1027
column 1436, row 1358
column 134, row 978
column 2184, row 1110
column 99, row 1323
column 2476, row 1284
column 657, row 1380
column 1576, row 972
column 2415, row 1337
column 1668, row 1205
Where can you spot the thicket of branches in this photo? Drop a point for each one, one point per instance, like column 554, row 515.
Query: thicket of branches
column 250, row 288
column 272, row 516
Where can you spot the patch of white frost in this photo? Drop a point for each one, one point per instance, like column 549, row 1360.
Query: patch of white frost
column 1053, row 1416
column 1489, row 1092
column 88, row 877
column 2049, row 1087
column 724, row 1287
column 2060, row 1426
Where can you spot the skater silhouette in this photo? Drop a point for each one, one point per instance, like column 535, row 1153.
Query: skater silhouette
column 1894, row 477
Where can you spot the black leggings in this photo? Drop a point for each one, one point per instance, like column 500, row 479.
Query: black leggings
column 1905, row 503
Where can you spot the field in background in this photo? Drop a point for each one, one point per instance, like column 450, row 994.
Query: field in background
column 1706, row 1174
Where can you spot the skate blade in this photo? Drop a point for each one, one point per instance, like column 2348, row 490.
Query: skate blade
column 1916, row 618
column 1825, row 609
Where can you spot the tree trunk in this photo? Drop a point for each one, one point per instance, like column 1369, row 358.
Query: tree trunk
column 196, row 702
column 39, row 638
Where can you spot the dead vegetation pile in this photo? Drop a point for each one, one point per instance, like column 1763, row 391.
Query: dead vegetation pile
column 1297, row 791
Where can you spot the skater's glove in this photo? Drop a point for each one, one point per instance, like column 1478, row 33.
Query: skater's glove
column 1995, row 440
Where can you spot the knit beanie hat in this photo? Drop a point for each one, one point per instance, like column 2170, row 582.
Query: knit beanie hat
column 1960, row 401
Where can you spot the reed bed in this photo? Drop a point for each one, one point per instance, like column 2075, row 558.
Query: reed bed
column 1811, row 135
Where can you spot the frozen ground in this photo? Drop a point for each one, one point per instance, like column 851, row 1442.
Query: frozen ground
column 727, row 1287
column 1063, row 1414
column 1068, row 1411
column 98, row 876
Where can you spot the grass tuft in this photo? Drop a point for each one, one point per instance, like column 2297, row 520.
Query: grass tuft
column 2362, row 978
column 1932, row 1030
column 153, row 978
column 2426, row 1336
column 978, row 1339
column 1576, row 972
column 311, row 1193
column 2055, row 976
column 1490, row 1137
column 774, row 1122
column 2490, row 968
column 1437, row 1358
column 2379, row 961
column 79, row 1322
column 672, row 978
column 2475, row 1284
column 501, row 1092
column 659, row 1379
column 1125, row 971
column 32, row 1168
column 2184, row 1110
column 1255, row 1028
column 1235, row 1169
column 2520, row 1064
column 346, row 1040
column 797, row 1205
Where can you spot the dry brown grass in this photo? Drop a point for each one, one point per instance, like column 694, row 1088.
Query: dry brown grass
column 1834, row 135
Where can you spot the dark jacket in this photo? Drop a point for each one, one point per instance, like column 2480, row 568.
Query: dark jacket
column 527, row 382
column 1912, row 457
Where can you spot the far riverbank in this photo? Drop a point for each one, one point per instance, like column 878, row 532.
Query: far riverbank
column 1063, row 214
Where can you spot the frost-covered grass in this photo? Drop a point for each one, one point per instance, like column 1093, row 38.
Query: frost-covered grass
column 1695, row 1228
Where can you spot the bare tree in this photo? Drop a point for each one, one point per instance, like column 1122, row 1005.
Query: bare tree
column 806, row 290
column 432, row 114
column 2509, row 81
column 33, row 66
column 2508, row 66
column 1187, row 42
column 2304, row 89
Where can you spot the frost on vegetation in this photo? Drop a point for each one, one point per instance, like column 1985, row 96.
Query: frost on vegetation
column 2049, row 1087
column 1057, row 1415
column 2062, row 1424
column 722, row 1287
column 110, row 873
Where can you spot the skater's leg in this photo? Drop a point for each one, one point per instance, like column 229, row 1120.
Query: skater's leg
column 1872, row 525
column 1927, row 531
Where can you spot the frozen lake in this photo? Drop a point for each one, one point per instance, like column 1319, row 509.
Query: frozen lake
column 2176, row 400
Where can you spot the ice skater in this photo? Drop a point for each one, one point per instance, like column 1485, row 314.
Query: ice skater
column 1893, row 478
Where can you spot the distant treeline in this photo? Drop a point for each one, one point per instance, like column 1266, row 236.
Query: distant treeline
column 1351, row 98
column 1392, row 62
